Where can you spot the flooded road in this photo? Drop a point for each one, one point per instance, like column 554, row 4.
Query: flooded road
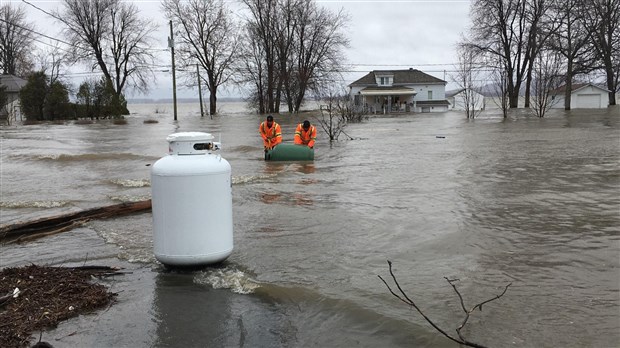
column 528, row 201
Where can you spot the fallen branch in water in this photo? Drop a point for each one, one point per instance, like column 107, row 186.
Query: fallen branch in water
column 29, row 230
column 460, row 340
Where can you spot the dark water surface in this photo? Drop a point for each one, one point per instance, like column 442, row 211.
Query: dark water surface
column 528, row 201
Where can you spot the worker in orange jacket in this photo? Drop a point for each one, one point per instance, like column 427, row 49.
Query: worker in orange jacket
column 305, row 134
column 271, row 133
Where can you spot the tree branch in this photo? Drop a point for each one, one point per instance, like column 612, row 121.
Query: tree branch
column 403, row 297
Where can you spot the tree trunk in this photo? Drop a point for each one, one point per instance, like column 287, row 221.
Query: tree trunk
column 29, row 230
column 567, row 91
column 212, row 102
column 611, row 88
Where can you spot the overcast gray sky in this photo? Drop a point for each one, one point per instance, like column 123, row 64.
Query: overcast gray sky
column 384, row 34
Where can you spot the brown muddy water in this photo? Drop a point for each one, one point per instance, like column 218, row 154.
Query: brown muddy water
column 491, row 201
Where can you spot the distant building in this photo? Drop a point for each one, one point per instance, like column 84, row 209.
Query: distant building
column 457, row 99
column 387, row 91
column 12, row 110
column 583, row 96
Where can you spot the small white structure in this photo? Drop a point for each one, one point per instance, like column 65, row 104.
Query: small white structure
column 192, row 202
column 583, row 96
column 389, row 91
column 459, row 98
column 12, row 110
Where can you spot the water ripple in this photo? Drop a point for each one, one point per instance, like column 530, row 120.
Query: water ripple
column 227, row 278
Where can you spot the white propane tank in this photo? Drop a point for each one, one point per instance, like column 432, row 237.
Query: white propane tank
column 191, row 192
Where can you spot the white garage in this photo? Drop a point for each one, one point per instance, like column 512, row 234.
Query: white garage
column 583, row 96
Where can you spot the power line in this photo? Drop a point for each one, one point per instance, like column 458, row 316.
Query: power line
column 63, row 21
column 428, row 64
column 42, row 10
column 35, row 32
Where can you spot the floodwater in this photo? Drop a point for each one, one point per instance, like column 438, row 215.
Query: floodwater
column 530, row 202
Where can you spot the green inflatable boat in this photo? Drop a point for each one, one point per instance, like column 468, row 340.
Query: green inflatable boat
column 290, row 152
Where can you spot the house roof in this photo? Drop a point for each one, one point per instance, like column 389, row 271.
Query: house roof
column 401, row 77
column 13, row 83
column 575, row 87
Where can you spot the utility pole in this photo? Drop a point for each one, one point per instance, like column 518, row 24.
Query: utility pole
column 202, row 113
column 174, row 75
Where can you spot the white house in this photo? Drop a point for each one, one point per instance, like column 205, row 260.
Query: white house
column 387, row 91
column 458, row 99
column 12, row 110
column 583, row 96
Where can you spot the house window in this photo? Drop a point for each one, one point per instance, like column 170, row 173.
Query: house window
column 385, row 81
column 430, row 95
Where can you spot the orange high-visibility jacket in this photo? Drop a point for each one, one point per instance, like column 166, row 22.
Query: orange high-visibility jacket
column 271, row 136
column 305, row 138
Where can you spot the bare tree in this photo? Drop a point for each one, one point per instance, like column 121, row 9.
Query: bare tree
column 252, row 68
column 4, row 100
column 502, row 29
column 547, row 77
column 543, row 24
column 208, row 36
column 335, row 106
column 286, row 27
column 602, row 18
column 500, row 80
column 467, row 77
column 261, row 53
column 51, row 61
column 16, row 41
column 298, row 43
column 572, row 41
column 110, row 35
column 318, row 48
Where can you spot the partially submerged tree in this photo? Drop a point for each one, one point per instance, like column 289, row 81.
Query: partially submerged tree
column 253, row 69
column 337, row 110
column 57, row 101
column 542, row 24
column 288, row 46
column 501, row 98
column 317, row 48
column 110, row 35
column 16, row 40
column 260, row 70
column 209, row 37
column 97, row 99
column 3, row 97
column 547, row 77
column 572, row 41
column 32, row 96
column 42, row 100
column 501, row 30
column 467, row 77
column 602, row 18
